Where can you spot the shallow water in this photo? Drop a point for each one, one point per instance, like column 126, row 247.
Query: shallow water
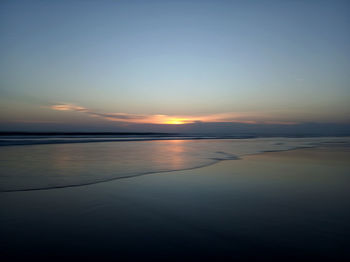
column 290, row 206
column 44, row 166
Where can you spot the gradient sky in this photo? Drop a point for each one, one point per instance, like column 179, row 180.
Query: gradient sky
column 174, row 62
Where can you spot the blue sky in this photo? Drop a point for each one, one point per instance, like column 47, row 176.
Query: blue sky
column 212, row 61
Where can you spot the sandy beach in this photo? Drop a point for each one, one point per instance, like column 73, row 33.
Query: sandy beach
column 286, row 206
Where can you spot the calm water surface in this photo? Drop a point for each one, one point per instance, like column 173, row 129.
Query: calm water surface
column 28, row 167
column 261, row 208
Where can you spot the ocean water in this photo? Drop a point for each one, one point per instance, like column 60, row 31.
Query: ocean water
column 44, row 162
column 292, row 206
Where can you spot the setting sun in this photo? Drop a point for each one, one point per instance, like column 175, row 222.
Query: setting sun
column 177, row 121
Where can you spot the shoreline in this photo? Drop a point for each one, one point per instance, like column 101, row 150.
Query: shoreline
column 63, row 140
column 214, row 161
column 267, row 206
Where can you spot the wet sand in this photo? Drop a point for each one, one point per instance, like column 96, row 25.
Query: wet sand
column 285, row 206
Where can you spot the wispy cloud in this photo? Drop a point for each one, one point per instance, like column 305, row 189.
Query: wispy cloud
column 247, row 117
column 119, row 117
column 68, row 107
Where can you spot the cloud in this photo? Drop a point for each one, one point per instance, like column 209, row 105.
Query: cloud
column 119, row 117
column 242, row 117
column 68, row 107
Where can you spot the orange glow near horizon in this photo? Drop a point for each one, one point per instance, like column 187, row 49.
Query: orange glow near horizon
column 242, row 117
column 177, row 121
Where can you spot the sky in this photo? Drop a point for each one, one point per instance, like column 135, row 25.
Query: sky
column 114, row 64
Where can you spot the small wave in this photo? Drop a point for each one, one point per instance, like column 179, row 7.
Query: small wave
column 46, row 141
column 227, row 156
column 76, row 164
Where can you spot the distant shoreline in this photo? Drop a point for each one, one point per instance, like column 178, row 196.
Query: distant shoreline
column 166, row 134
column 43, row 138
column 24, row 133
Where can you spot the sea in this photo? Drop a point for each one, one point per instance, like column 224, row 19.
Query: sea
column 46, row 161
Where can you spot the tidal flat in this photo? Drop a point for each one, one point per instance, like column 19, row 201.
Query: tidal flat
column 286, row 206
